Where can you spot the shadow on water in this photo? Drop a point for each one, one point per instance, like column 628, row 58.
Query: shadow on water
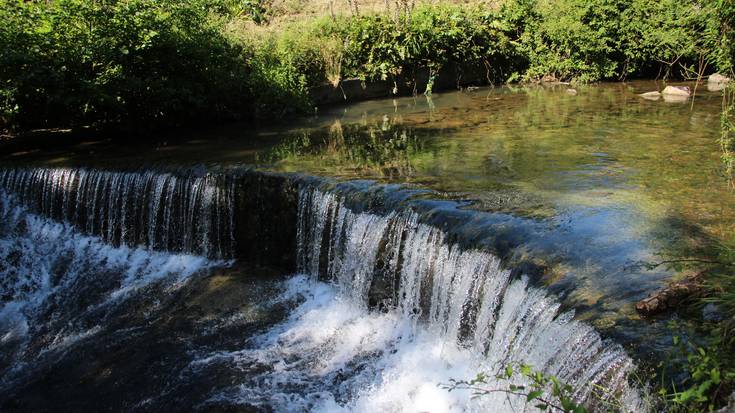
column 140, row 359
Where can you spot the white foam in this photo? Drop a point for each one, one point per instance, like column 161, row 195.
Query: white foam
column 46, row 260
column 454, row 313
column 328, row 335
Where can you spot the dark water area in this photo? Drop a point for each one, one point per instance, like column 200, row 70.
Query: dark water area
column 139, row 359
column 433, row 235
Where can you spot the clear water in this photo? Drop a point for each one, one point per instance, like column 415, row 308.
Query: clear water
column 593, row 183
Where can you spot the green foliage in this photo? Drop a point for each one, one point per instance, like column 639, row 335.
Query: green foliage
column 611, row 39
column 719, row 35
column 278, row 86
column 522, row 40
column 76, row 62
column 708, row 368
column 255, row 10
column 545, row 393
column 377, row 47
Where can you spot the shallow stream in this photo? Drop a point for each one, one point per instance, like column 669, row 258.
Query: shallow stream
column 358, row 259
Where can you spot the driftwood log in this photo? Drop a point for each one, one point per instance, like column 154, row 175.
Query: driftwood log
column 671, row 296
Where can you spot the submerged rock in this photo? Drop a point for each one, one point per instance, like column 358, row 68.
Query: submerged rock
column 655, row 95
column 676, row 91
column 711, row 312
column 676, row 94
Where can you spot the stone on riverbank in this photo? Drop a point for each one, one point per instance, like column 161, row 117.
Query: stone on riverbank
column 717, row 82
column 717, row 78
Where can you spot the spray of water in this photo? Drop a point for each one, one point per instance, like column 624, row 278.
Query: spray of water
column 450, row 313
column 57, row 285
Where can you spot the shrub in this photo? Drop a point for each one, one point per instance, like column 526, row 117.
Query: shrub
column 380, row 47
column 611, row 39
column 76, row 62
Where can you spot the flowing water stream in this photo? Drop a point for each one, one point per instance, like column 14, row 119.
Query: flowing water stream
column 258, row 270
column 381, row 310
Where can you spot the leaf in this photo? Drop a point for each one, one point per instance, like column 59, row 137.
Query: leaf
column 533, row 395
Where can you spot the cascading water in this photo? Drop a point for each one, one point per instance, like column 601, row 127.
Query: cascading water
column 182, row 213
column 383, row 308
column 58, row 286
column 445, row 313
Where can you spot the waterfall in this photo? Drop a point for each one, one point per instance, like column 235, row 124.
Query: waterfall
column 462, row 297
column 159, row 210
column 383, row 308
column 59, row 286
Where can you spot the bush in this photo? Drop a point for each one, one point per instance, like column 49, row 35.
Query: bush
column 377, row 47
column 76, row 62
column 612, row 39
column 278, row 85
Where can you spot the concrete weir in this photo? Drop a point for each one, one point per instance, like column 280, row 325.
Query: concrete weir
column 437, row 272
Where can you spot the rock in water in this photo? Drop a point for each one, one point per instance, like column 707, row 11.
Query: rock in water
column 670, row 297
column 655, row 95
column 717, row 82
column 677, row 91
column 717, row 78
column 710, row 312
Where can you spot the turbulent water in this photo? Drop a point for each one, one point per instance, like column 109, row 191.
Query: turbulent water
column 448, row 314
column 382, row 311
column 58, row 286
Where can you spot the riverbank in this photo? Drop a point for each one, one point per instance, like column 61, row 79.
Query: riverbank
column 142, row 65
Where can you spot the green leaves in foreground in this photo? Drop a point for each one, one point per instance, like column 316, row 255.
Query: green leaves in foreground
column 546, row 393
column 707, row 366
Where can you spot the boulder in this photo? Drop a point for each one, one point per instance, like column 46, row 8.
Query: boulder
column 571, row 91
column 682, row 91
column 717, row 82
column 717, row 78
column 655, row 95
